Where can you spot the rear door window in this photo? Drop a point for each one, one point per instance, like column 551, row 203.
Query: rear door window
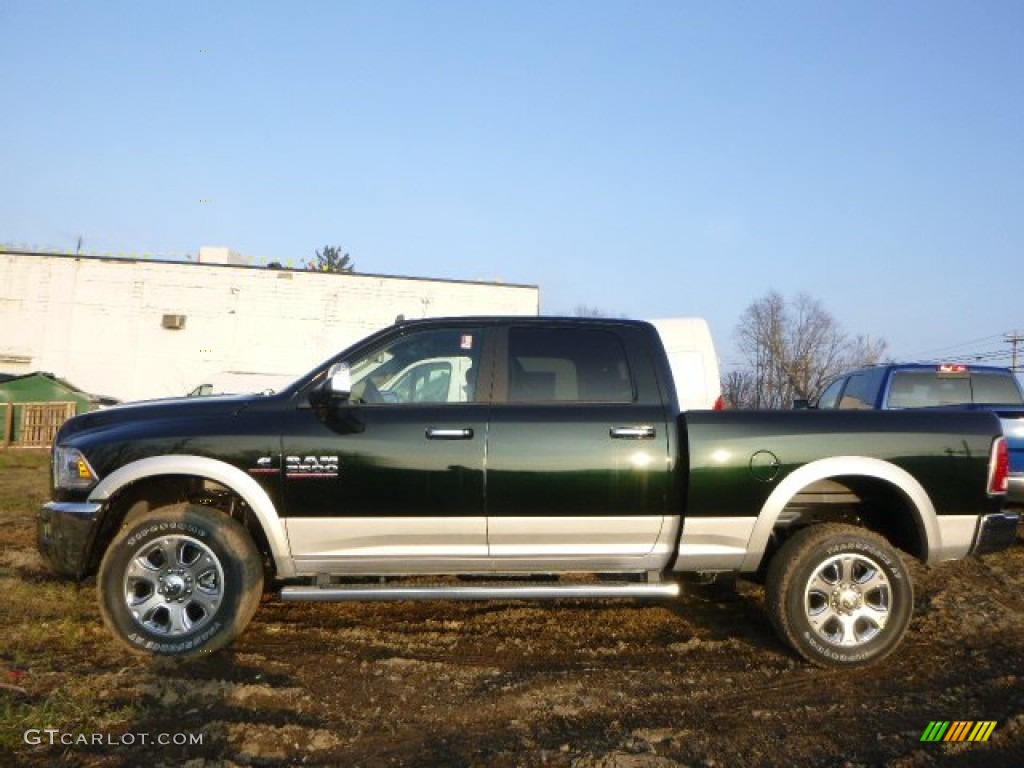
column 830, row 397
column 862, row 390
column 567, row 365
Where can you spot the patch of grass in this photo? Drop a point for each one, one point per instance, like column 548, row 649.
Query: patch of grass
column 26, row 458
column 73, row 706
column 24, row 481
column 57, row 661
column 51, row 618
column 54, row 652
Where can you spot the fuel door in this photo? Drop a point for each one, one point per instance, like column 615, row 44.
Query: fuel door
column 764, row 466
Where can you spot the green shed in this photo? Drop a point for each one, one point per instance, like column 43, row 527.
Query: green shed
column 33, row 406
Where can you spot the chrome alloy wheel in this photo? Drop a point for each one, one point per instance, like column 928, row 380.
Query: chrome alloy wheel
column 173, row 585
column 848, row 600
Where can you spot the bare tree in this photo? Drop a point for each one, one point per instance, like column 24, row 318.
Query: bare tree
column 738, row 389
column 792, row 349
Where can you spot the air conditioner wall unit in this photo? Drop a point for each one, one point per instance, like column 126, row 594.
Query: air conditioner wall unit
column 173, row 322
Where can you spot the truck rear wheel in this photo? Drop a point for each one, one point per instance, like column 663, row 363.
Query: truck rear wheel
column 839, row 595
column 182, row 581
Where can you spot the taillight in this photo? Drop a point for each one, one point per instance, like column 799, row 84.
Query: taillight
column 719, row 404
column 999, row 468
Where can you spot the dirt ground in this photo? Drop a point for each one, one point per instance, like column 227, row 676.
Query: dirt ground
column 701, row 681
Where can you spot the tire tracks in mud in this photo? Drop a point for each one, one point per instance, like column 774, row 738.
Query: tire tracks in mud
column 598, row 672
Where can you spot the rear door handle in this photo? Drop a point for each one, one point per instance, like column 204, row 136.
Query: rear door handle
column 645, row 432
column 434, row 433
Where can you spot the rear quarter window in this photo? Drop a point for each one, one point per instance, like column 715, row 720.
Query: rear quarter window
column 989, row 387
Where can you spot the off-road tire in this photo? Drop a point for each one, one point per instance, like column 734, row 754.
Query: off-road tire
column 839, row 595
column 181, row 581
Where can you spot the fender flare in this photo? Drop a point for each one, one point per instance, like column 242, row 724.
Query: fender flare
column 836, row 466
column 218, row 471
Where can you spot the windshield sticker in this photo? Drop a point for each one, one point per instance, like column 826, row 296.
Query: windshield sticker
column 467, row 341
column 310, row 467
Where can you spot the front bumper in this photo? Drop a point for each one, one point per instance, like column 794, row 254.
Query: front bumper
column 996, row 532
column 64, row 532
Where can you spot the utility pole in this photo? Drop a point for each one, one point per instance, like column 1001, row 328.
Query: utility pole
column 1014, row 338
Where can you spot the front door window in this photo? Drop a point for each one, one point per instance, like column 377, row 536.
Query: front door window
column 437, row 366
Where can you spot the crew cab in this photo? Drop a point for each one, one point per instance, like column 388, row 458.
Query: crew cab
column 561, row 466
column 948, row 385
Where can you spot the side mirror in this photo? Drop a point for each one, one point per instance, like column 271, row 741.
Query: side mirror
column 339, row 382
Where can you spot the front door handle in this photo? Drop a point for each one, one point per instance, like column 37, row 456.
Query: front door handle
column 645, row 432
column 434, row 433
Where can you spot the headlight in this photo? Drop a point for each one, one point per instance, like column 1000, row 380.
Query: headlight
column 71, row 471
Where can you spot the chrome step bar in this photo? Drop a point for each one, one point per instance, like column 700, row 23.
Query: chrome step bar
column 337, row 593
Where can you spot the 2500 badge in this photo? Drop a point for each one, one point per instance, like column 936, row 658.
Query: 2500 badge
column 310, row 466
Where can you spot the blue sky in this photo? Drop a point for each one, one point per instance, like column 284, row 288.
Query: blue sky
column 646, row 158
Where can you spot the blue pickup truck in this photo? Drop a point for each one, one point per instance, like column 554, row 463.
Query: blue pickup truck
column 918, row 385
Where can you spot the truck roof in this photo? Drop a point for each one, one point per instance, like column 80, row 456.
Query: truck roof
column 519, row 320
column 965, row 367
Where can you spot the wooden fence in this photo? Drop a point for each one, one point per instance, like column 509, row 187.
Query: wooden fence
column 37, row 424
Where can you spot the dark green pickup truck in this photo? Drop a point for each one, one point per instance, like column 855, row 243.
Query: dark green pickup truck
column 512, row 458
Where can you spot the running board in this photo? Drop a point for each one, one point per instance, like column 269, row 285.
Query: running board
column 337, row 593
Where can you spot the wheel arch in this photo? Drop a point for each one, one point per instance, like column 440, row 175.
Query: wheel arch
column 202, row 468
column 878, row 476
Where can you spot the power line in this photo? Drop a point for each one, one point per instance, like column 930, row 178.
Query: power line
column 986, row 356
column 1012, row 358
column 937, row 350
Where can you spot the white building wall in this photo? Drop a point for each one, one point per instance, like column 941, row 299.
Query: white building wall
column 97, row 322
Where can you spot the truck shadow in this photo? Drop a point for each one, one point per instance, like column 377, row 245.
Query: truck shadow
column 728, row 611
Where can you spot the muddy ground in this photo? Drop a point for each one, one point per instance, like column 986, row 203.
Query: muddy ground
column 701, row 681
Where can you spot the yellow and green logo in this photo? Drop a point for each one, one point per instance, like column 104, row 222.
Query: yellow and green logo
column 958, row 730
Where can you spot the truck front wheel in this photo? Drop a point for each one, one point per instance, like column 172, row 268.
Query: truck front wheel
column 839, row 595
column 182, row 581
